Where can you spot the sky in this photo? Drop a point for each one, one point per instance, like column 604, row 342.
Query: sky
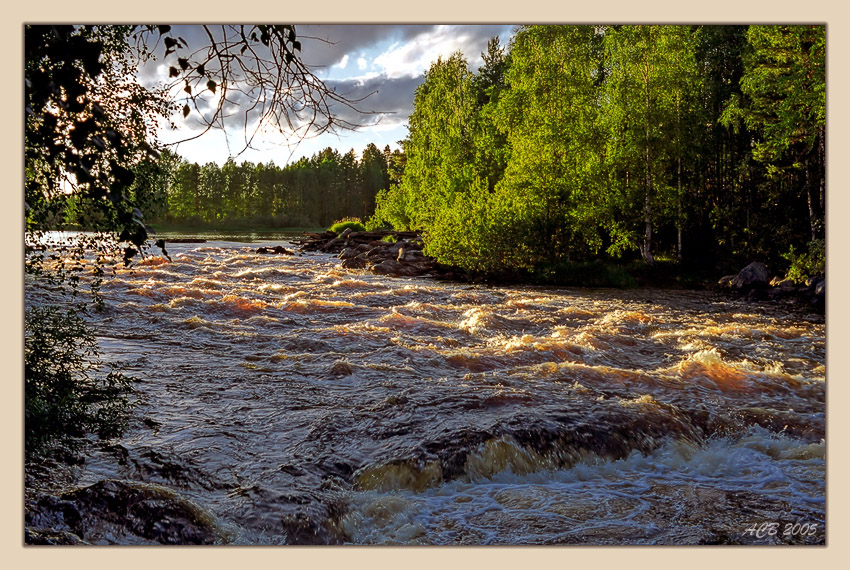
column 385, row 62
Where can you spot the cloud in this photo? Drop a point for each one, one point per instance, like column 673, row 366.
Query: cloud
column 414, row 57
column 390, row 98
column 383, row 89
column 323, row 44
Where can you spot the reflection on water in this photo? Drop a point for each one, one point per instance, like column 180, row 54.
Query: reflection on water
column 299, row 402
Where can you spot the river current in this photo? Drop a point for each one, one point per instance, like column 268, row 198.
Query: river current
column 298, row 402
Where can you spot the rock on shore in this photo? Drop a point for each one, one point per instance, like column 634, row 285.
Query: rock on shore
column 754, row 282
column 401, row 257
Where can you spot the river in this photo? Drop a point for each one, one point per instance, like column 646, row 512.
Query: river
column 294, row 401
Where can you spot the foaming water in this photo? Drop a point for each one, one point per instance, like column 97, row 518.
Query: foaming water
column 298, row 402
column 680, row 494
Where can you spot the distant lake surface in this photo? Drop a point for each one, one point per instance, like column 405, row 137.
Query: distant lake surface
column 236, row 236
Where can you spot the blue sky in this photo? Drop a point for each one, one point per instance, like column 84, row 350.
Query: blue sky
column 389, row 60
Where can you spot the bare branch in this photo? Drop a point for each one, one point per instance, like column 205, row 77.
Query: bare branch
column 257, row 68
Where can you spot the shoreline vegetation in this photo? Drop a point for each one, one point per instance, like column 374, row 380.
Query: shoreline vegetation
column 377, row 251
column 400, row 254
column 576, row 155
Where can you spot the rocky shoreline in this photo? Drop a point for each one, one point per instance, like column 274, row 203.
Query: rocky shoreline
column 382, row 252
column 754, row 283
column 399, row 254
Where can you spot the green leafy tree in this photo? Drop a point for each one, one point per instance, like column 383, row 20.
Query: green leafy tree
column 491, row 147
column 550, row 114
column 644, row 64
column 374, row 177
column 440, row 147
column 784, row 101
column 86, row 126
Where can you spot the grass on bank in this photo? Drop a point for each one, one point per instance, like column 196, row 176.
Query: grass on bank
column 353, row 223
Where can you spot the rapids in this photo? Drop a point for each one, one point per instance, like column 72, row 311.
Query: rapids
column 294, row 401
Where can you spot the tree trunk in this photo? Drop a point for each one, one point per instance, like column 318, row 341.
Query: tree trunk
column 679, row 211
column 822, row 174
column 679, row 181
column 646, row 250
column 811, row 199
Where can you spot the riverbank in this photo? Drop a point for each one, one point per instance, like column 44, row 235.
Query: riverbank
column 400, row 254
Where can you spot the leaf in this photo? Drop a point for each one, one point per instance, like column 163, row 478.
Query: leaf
column 172, row 72
column 163, row 29
column 170, row 43
column 185, row 111
column 184, row 63
column 188, row 88
column 211, row 85
column 200, row 69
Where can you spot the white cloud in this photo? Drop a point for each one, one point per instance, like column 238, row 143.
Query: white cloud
column 413, row 57
column 390, row 62
column 366, row 78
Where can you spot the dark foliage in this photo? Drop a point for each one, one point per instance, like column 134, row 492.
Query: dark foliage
column 69, row 391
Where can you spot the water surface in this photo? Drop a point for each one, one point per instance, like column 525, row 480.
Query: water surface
column 299, row 402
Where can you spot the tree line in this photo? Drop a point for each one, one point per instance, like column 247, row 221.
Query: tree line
column 309, row 193
column 680, row 143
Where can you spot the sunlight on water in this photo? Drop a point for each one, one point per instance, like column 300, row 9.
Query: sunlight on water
column 299, row 402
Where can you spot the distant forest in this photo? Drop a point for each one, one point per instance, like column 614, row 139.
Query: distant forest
column 308, row 193
column 685, row 144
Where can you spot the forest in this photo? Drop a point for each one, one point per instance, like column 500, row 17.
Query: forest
column 691, row 145
column 679, row 143
column 307, row 193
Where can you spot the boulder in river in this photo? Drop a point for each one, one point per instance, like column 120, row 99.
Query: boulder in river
column 400, row 256
column 354, row 263
column 726, row 281
column 386, row 267
column 783, row 283
column 279, row 249
column 126, row 512
column 348, row 253
column 753, row 276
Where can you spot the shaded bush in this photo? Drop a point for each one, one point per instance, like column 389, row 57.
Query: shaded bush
column 68, row 394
